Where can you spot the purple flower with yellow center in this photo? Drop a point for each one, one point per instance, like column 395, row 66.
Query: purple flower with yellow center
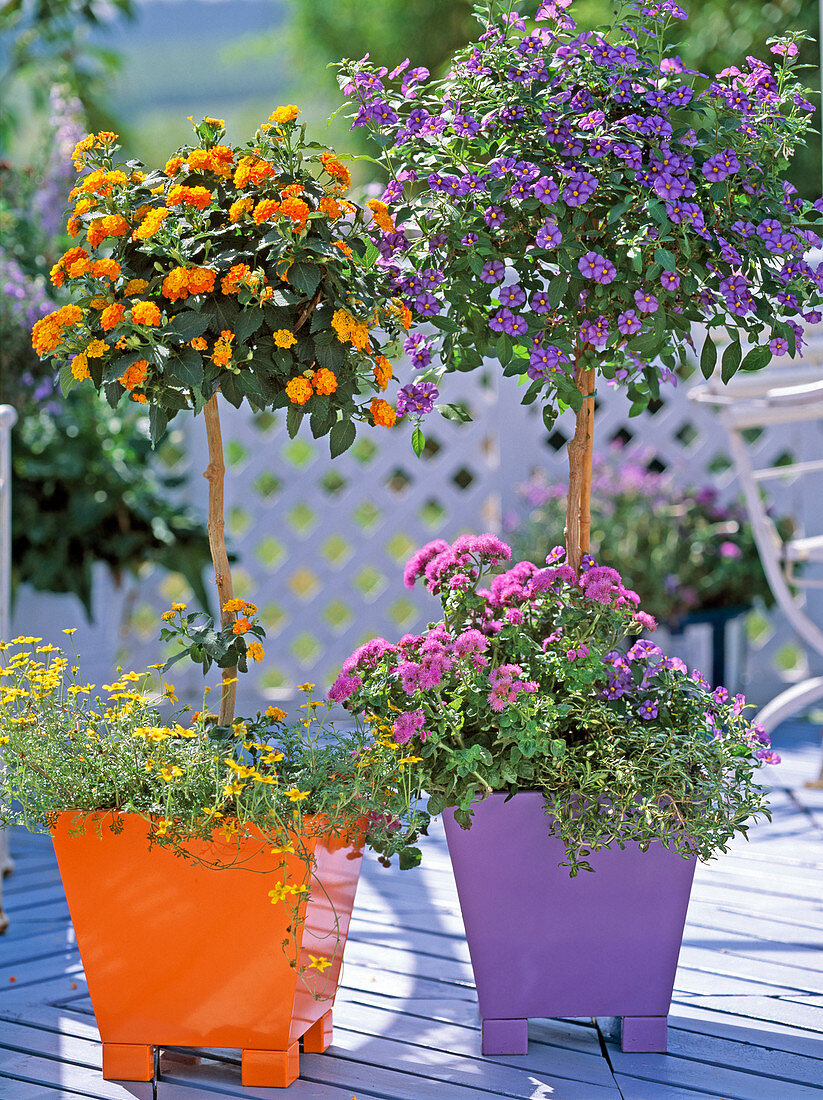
column 494, row 216
column 656, row 126
column 418, row 348
column 580, row 186
column 591, row 121
column 543, row 361
column 778, row 346
column 716, row 167
column 469, row 239
column 647, row 709
column 431, row 278
column 492, row 271
column 513, row 295
column 418, row 399
column 545, row 190
column 645, row 301
column 596, row 332
column 498, row 320
column 670, row 280
column 548, row 236
column 427, row 305
column 540, row 303
column 668, row 186
column 681, row 96
column 630, row 153
column 629, row 323
column 465, row 126
column 597, row 267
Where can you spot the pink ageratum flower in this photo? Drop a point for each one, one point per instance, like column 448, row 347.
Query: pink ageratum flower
column 417, row 563
column 344, row 687
column 409, row 723
column 470, row 641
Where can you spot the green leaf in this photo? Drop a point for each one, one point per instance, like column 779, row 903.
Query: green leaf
column 731, row 361
column 188, row 324
column 418, row 441
column 186, row 367
column 756, row 358
column 294, row 418
column 409, row 857
column 341, row 437
column 556, row 289
column 67, row 379
column 305, row 278
column 708, row 356
column 558, row 747
column 331, row 356
column 157, row 423
column 665, row 258
column 230, row 388
column 503, row 349
column 454, row 412
column 248, row 322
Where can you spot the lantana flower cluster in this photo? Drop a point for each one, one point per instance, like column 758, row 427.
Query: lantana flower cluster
column 242, row 269
column 536, row 677
column 562, row 199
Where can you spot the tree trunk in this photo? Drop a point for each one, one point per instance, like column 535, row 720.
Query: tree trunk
column 578, row 507
column 215, row 475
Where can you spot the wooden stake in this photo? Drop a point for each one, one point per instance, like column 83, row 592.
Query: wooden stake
column 215, row 474
column 580, row 448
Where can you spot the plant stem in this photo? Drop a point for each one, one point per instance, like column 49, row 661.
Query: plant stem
column 215, row 475
column 580, row 447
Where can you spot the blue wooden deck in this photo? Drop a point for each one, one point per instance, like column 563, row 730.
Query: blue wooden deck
column 746, row 1022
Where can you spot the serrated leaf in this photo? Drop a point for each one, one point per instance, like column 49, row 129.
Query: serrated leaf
column 341, row 437
column 67, row 379
column 248, row 322
column 331, row 356
column 708, row 356
column 731, row 361
column 188, row 324
column 305, row 278
column 186, row 367
column 294, row 418
column 157, row 423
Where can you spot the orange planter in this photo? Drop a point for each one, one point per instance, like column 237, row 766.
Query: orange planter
column 178, row 954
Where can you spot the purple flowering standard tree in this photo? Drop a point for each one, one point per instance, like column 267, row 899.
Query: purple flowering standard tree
column 572, row 204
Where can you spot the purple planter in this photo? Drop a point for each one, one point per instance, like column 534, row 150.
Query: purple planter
column 543, row 944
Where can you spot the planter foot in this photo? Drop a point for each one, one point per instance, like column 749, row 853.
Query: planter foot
column 271, row 1069
column 505, row 1037
column 319, row 1036
column 128, row 1062
column 644, row 1035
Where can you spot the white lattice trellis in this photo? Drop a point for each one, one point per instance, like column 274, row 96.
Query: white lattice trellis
column 321, row 544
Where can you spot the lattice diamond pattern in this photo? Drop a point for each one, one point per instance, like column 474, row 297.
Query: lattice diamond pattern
column 320, row 545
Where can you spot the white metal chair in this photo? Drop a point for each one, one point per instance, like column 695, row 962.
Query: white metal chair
column 778, row 395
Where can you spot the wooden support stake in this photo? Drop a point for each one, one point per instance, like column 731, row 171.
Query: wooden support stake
column 215, row 474
column 580, row 448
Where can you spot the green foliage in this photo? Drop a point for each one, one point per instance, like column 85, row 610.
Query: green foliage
column 85, row 488
column 679, row 549
column 536, row 684
column 427, row 30
column 44, row 42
